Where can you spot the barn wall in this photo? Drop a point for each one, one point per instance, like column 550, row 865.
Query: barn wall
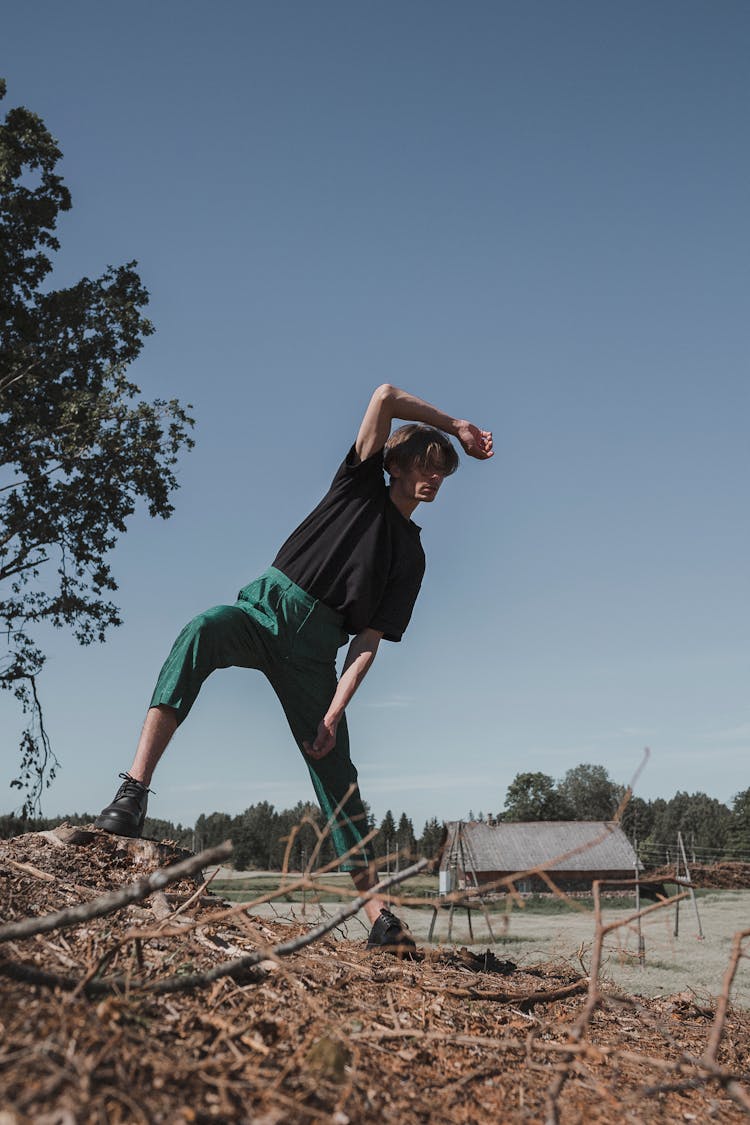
column 565, row 880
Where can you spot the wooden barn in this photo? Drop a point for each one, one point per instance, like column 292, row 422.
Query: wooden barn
column 573, row 852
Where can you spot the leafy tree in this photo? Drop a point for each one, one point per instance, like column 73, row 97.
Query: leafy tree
column 254, row 833
column 369, row 824
column 431, row 838
column 78, row 447
column 704, row 822
column 12, row 825
column 296, row 832
column 590, row 793
column 738, row 841
column 638, row 818
column 533, row 796
column 164, row 830
column 406, row 841
column 212, row 830
column 385, row 841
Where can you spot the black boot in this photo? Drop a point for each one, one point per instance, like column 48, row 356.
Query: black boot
column 126, row 814
column 389, row 936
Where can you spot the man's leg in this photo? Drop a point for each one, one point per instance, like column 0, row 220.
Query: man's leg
column 364, row 880
column 219, row 638
column 305, row 689
column 158, row 727
column 332, row 777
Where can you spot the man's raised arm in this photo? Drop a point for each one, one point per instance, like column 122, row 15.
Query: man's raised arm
column 389, row 402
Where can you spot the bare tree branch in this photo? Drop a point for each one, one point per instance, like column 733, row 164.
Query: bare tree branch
column 9, row 571
column 9, row 380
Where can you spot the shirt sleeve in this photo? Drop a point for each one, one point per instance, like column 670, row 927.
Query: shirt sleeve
column 367, row 475
column 397, row 604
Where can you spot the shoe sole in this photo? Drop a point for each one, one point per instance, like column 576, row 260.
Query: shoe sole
column 116, row 828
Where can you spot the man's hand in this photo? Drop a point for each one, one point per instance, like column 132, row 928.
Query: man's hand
column 325, row 739
column 389, row 402
column 358, row 659
column 475, row 442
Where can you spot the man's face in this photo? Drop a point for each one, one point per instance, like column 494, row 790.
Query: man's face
column 417, row 483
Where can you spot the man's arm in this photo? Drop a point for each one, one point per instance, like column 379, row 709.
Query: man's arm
column 388, row 402
column 358, row 661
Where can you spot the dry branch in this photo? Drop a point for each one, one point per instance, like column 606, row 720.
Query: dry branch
column 241, row 1049
column 186, row 982
column 522, row 999
column 708, row 1068
column 723, row 1002
column 283, row 949
column 106, row 904
column 29, row 869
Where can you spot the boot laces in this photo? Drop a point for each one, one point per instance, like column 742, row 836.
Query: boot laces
column 131, row 787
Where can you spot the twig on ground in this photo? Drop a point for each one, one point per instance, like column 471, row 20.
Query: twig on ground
column 283, row 949
column 523, row 999
column 114, row 900
column 29, row 869
column 722, row 1004
column 186, row 982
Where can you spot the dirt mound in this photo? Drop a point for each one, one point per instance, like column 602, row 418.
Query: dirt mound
column 178, row 1007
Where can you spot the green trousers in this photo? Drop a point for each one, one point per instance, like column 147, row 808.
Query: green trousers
column 293, row 639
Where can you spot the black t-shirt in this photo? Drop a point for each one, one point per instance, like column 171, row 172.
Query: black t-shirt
column 357, row 553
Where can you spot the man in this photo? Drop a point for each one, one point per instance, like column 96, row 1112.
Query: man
column 354, row 566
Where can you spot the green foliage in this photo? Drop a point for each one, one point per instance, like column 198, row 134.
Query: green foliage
column 589, row 793
column 12, row 825
column 431, row 839
column 264, row 838
column 253, row 834
column 738, row 837
column 261, row 834
column 385, row 841
column 533, row 796
column 296, row 835
column 164, row 830
column 703, row 821
column 406, row 841
column 212, row 830
column 710, row 831
column 78, row 447
column 638, row 818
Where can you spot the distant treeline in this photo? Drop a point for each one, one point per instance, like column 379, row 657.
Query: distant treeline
column 264, row 837
column 710, row 830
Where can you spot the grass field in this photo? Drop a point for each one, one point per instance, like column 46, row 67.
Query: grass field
column 237, row 886
column 546, row 929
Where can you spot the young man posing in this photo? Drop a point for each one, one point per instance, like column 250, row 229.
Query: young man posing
column 354, row 566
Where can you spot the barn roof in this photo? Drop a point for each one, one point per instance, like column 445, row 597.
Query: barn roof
column 596, row 845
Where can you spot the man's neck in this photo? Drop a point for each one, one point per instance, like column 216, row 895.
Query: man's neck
column 404, row 504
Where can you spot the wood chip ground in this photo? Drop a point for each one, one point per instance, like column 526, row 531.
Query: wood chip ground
column 329, row 1033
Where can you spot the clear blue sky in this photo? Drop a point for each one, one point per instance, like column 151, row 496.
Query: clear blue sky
column 535, row 215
